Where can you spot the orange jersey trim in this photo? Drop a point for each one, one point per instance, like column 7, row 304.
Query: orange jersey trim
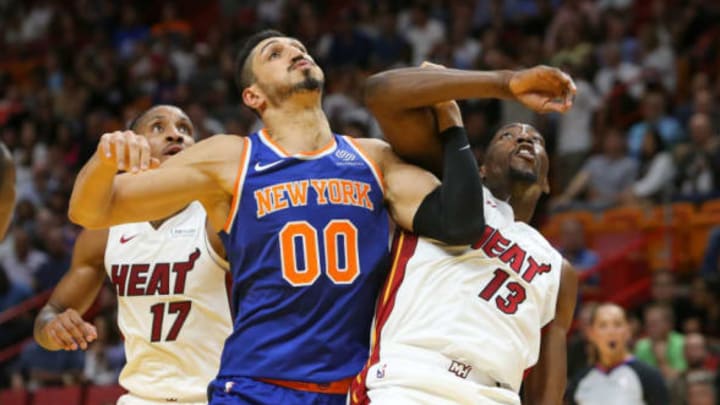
column 373, row 165
column 282, row 152
column 239, row 180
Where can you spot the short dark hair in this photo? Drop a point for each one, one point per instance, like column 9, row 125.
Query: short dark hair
column 243, row 74
column 133, row 124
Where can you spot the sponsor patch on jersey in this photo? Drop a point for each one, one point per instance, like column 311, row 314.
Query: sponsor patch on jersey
column 345, row 157
column 182, row 232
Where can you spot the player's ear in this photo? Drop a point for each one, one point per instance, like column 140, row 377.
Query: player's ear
column 253, row 97
column 482, row 172
column 546, row 185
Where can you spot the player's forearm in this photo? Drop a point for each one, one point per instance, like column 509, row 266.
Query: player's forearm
column 453, row 213
column 92, row 195
column 409, row 88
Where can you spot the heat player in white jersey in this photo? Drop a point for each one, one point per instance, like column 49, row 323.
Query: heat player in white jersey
column 169, row 276
column 463, row 324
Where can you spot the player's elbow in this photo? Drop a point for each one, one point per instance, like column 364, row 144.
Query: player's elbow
column 86, row 218
column 373, row 91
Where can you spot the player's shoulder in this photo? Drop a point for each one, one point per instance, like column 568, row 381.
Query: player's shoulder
column 229, row 140
column 371, row 145
column 536, row 237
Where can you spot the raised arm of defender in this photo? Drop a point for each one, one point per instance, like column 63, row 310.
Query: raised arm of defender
column 205, row 172
column 398, row 100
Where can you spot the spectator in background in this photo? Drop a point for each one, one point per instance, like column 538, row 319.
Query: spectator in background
column 657, row 59
column 663, row 347
column 105, row 357
column 22, row 265
column 38, row 367
column 10, row 295
column 346, row 45
column 615, row 71
column 656, row 173
column 616, row 377
column 50, row 272
column 699, row 161
column 602, row 178
column 580, row 351
column 389, row 48
column 421, row 31
column 700, row 389
column 699, row 359
column 574, row 250
column 574, row 134
column 653, row 111
column 710, row 269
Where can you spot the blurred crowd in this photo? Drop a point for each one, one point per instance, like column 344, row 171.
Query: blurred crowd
column 643, row 130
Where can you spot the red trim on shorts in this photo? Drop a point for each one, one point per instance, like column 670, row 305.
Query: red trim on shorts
column 336, row 387
column 403, row 248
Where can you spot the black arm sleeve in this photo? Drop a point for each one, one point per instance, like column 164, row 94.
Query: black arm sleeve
column 453, row 212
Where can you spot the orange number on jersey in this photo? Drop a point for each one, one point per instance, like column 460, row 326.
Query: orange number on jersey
column 338, row 235
column 348, row 232
column 309, row 242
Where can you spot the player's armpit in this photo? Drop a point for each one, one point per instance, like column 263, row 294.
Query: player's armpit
column 545, row 384
column 78, row 287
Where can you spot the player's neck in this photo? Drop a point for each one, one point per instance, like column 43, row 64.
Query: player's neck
column 522, row 199
column 298, row 127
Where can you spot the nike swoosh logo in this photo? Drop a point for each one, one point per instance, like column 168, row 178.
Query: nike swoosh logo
column 123, row 239
column 259, row 167
column 464, row 147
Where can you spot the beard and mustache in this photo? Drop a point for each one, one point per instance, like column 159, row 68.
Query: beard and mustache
column 309, row 83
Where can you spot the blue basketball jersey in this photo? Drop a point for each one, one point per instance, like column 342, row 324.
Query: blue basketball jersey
column 307, row 240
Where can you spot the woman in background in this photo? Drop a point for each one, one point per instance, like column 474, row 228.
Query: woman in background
column 617, row 377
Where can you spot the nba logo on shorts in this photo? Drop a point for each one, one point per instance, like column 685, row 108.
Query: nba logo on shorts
column 459, row 369
column 381, row 371
column 228, row 386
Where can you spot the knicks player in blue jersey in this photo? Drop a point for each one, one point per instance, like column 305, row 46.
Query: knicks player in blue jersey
column 303, row 217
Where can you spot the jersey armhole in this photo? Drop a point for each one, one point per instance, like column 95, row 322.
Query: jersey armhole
column 215, row 256
column 239, row 182
column 374, row 167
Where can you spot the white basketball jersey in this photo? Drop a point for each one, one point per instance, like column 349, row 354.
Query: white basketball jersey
column 173, row 307
column 481, row 306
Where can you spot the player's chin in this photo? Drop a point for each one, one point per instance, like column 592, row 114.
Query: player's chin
column 523, row 173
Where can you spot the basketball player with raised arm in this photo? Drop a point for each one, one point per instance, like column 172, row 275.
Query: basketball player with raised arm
column 462, row 323
column 169, row 276
column 303, row 218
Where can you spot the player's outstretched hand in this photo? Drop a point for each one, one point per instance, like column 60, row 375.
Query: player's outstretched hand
column 69, row 331
column 126, row 151
column 543, row 89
